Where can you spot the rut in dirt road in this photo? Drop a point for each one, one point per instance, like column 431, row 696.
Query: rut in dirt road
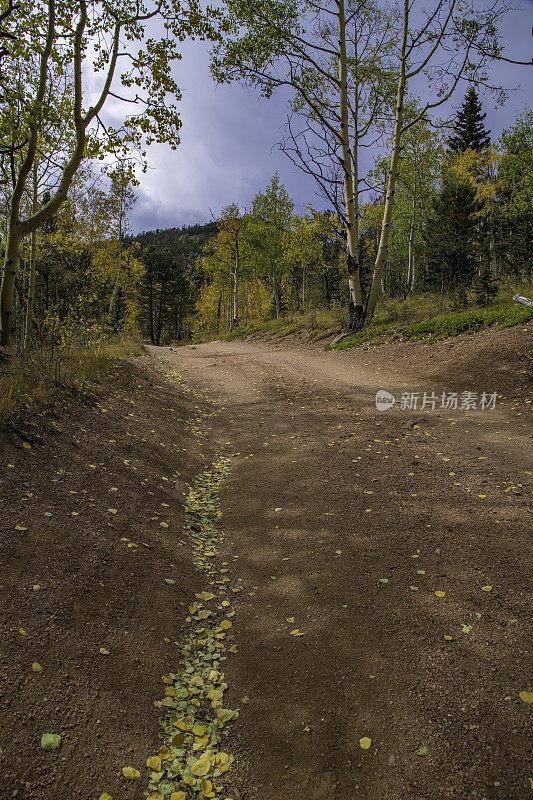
column 384, row 583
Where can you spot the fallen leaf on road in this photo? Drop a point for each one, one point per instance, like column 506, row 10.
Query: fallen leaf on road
column 50, row 741
column 130, row 773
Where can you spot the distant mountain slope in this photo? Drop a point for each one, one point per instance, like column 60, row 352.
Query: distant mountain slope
column 187, row 240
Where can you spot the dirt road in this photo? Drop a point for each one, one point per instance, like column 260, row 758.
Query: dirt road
column 382, row 556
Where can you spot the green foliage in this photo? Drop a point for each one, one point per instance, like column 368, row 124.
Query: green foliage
column 451, row 236
column 470, row 132
column 66, row 360
column 485, row 287
column 164, row 295
column 468, row 322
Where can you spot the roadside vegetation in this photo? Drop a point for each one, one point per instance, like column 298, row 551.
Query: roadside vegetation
column 72, row 366
column 429, row 317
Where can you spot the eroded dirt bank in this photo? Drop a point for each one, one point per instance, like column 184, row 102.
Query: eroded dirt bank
column 91, row 519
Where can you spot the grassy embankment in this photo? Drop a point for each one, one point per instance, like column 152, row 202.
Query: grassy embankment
column 34, row 380
column 428, row 317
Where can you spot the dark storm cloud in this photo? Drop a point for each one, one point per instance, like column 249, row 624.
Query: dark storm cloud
column 228, row 137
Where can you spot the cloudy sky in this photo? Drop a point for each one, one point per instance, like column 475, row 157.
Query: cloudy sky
column 228, row 149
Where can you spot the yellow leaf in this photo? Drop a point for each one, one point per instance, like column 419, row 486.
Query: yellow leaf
column 154, row 762
column 105, row 796
column 527, row 697
column 365, row 742
column 178, row 796
column 224, row 714
column 130, row 773
column 198, row 729
column 201, row 767
column 27, row 445
column 440, row 594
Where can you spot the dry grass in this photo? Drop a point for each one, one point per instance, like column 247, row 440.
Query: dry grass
column 36, row 379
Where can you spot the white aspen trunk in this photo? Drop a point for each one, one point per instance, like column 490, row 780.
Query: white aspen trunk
column 410, row 282
column 31, row 290
column 381, row 256
column 304, row 285
column 352, row 252
column 119, row 253
column 8, row 284
column 246, row 303
column 235, row 300
column 410, row 262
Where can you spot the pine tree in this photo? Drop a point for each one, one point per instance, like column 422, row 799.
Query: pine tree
column 469, row 129
column 485, row 287
column 451, row 237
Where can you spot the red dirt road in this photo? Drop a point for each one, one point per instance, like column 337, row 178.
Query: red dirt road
column 342, row 523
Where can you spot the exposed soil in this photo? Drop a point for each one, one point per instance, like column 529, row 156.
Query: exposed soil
column 122, row 453
column 333, row 513
column 327, row 496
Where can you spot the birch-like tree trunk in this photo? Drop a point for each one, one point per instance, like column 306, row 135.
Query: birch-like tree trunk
column 235, row 320
column 411, row 256
column 236, row 283
column 33, row 256
column 121, row 212
column 356, row 311
column 381, row 257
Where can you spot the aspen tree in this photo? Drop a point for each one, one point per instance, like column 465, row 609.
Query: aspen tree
column 73, row 39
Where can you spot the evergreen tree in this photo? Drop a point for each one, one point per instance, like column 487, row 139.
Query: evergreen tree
column 164, row 292
column 469, row 129
column 451, row 237
column 485, row 287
